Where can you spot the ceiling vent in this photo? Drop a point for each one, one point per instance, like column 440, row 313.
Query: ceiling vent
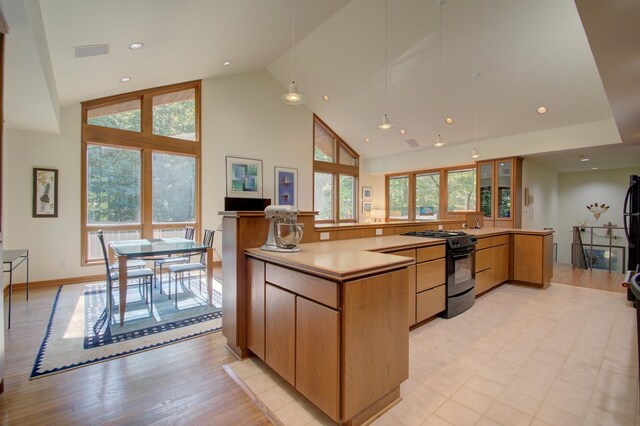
column 412, row 143
column 93, row 50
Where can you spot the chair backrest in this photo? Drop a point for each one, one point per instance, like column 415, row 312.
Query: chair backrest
column 189, row 232
column 104, row 253
column 207, row 240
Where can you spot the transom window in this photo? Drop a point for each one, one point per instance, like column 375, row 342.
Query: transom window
column 141, row 167
column 335, row 176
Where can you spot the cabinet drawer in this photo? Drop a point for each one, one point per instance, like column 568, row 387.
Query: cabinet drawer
column 483, row 243
column 430, row 302
column 430, row 274
column 499, row 240
column 483, row 281
column 314, row 288
column 406, row 253
column 483, row 259
column 429, row 253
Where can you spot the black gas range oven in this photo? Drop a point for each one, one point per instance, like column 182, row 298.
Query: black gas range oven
column 461, row 276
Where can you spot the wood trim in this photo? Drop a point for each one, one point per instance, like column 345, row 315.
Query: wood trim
column 3, row 30
column 139, row 93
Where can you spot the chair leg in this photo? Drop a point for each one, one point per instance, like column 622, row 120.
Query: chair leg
column 176, row 280
column 200, row 281
column 161, row 278
column 151, row 295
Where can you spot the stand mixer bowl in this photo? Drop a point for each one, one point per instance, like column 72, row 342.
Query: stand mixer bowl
column 288, row 235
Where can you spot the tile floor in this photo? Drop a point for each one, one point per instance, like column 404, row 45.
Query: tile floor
column 521, row 356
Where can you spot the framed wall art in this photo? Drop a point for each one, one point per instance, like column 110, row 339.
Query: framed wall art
column 366, row 207
column 367, row 193
column 286, row 186
column 45, row 192
column 244, row 177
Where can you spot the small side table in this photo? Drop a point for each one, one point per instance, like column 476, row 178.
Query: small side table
column 13, row 259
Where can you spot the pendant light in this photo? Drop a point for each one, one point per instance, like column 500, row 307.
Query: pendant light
column 293, row 97
column 474, row 154
column 439, row 142
column 385, row 125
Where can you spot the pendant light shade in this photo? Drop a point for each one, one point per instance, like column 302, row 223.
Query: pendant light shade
column 293, row 97
column 439, row 142
column 385, row 125
column 474, row 153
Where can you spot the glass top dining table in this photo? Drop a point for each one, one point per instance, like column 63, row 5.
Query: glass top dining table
column 155, row 248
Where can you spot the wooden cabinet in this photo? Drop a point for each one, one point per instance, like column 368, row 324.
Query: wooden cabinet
column 533, row 258
column 255, row 315
column 492, row 262
column 499, row 184
column 280, row 332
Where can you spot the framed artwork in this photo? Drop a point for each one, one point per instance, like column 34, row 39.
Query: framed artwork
column 244, row 177
column 367, row 193
column 286, row 186
column 45, row 192
column 366, row 207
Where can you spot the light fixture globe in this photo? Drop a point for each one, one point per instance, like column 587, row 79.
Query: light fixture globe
column 474, row 154
column 293, row 97
column 439, row 142
column 385, row 125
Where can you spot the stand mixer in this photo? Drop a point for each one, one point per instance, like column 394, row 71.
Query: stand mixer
column 284, row 233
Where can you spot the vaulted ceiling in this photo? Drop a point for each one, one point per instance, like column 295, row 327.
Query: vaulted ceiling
column 529, row 53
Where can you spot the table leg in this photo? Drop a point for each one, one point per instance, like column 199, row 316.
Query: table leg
column 122, row 286
column 27, row 274
column 210, row 275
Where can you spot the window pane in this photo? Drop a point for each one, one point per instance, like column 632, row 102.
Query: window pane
column 94, row 251
column 399, row 197
column 324, row 144
column 347, row 197
column 427, row 196
column 461, row 187
column 174, row 188
column 123, row 116
column 113, row 185
column 323, row 195
column 168, row 233
column 346, row 158
column 174, row 115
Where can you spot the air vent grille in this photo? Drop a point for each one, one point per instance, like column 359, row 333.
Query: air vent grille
column 412, row 143
column 93, row 50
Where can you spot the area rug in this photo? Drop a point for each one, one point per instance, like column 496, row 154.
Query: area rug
column 80, row 334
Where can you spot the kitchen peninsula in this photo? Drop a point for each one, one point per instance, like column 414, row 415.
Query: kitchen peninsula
column 333, row 319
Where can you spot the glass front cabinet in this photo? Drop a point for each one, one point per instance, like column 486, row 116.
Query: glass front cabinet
column 500, row 192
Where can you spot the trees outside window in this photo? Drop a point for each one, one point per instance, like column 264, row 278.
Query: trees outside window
column 335, row 178
column 141, row 165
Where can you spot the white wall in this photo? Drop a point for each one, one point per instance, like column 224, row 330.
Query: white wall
column 241, row 116
column 577, row 190
column 542, row 182
column 376, row 182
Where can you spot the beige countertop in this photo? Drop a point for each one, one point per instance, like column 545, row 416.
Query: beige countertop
column 342, row 260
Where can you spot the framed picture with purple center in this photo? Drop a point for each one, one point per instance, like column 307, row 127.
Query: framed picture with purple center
column 286, row 186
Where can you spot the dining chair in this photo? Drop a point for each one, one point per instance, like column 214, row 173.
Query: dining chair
column 207, row 240
column 142, row 275
column 189, row 232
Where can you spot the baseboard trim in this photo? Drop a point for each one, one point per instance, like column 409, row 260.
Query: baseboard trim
column 72, row 280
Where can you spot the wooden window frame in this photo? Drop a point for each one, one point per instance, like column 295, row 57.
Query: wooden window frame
column 336, row 169
column 442, row 196
column 147, row 143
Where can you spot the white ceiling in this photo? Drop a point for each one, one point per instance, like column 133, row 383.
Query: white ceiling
column 529, row 53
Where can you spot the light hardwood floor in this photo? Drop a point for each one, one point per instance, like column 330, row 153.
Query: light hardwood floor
column 182, row 383
column 598, row 279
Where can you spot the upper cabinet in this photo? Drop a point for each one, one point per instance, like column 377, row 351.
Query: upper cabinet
column 500, row 192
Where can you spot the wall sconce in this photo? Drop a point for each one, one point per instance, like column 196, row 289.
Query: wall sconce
column 597, row 210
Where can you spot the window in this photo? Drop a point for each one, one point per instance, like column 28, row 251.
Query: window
column 143, row 184
column 335, row 178
column 428, row 195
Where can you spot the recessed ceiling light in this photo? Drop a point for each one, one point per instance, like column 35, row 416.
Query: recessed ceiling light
column 125, row 79
column 135, row 46
column 594, row 168
column 584, row 159
column 367, row 140
column 448, row 120
column 225, row 63
column 542, row 110
column 325, row 98
column 403, row 131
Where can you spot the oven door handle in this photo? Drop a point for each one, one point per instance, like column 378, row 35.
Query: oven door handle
column 462, row 254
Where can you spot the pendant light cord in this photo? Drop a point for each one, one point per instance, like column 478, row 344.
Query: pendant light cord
column 476, row 76
column 440, row 64
column 293, row 44
column 386, row 52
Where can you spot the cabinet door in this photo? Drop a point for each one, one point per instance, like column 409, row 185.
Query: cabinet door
column 527, row 258
column 412, row 295
column 431, row 274
column 431, row 302
column 483, row 259
column 255, row 310
column 318, row 355
column 280, row 332
column 485, row 188
column 503, row 189
column 499, row 264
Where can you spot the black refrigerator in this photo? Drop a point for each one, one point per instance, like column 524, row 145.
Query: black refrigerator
column 631, row 221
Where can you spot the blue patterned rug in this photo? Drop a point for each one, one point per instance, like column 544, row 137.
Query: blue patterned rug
column 80, row 334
